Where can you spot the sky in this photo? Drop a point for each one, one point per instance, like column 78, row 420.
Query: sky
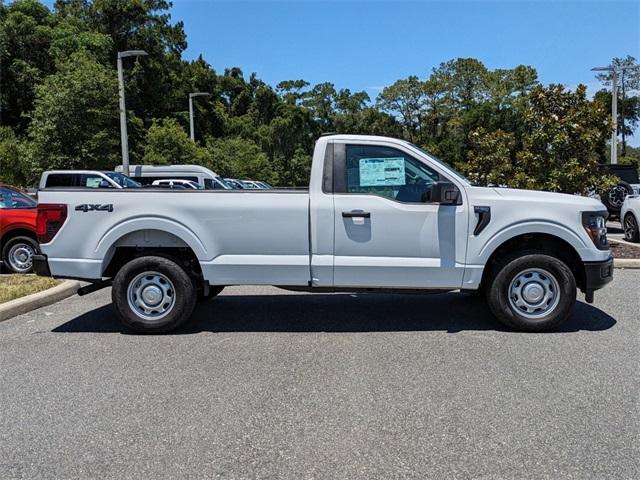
column 366, row 45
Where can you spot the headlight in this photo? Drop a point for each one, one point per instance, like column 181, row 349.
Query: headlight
column 594, row 224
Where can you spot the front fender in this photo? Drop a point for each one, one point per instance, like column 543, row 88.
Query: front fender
column 586, row 251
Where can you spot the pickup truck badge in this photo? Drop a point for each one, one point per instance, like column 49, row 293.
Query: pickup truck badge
column 97, row 207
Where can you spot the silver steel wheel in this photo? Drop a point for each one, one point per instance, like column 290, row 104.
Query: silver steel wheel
column 20, row 257
column 630, row 227
column 151, row 295
column 534, row 293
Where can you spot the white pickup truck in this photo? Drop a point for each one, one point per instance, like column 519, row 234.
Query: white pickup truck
column 380, row 215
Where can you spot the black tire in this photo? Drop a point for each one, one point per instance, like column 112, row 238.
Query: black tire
column 513, row 309
column 214, row 291
column 177, row 295
column 614, row 198
column 17, row 254
column 630, row 227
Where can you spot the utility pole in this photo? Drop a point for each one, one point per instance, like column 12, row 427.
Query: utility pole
column 124, row 139
column 191, row 123
column 614, row 109
column 613, row 70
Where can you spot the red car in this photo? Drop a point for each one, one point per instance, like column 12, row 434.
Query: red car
column 17, row 229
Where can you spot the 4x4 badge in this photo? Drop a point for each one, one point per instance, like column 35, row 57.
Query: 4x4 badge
column 85, row 207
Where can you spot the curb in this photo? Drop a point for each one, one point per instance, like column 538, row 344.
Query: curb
column 37, row 300
column 626, row 263
column 624, row 242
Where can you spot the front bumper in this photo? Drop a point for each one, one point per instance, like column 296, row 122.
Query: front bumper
column 41, row 266
column 596, row 276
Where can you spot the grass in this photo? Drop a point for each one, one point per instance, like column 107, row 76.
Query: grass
column 16, row 286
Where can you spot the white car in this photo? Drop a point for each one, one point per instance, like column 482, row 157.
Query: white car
column 629, row 217
column 380, row 214
column 188, row 184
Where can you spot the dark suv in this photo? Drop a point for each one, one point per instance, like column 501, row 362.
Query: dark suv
column 628, row 184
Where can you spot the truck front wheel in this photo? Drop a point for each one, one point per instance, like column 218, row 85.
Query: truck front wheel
column 153, row 295
column 532, row 292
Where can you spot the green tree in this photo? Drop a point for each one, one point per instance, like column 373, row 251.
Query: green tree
column 405, row 100
column 167, row 143
column 25, row 39
column 320, row 101
column 291, row 91
column 75, row 120
column 563, row 132
column 238, row 158
column 15, row 168
column 490, row 160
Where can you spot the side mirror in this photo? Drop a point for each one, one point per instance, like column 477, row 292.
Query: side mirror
column 445, row 193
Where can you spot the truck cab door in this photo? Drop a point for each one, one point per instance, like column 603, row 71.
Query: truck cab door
column 389, row 231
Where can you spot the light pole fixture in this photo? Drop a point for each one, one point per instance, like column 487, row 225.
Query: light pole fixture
column 124, row 141
column 191, row 126
column 613, row 69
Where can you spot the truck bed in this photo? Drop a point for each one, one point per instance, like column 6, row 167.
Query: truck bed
column 239, row 237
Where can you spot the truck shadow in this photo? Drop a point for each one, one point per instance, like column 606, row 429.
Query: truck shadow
column 449, row 312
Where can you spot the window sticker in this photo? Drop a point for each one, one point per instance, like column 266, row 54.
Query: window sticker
column 94, row 182
column 376, row 172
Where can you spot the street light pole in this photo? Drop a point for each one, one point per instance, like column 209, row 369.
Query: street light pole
column 614, row 117
column 191, row 123
column 614, row 109
column 124, row 139
column 613, row 70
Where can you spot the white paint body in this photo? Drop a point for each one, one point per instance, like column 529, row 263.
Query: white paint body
column 301, row 239
column 631, row 206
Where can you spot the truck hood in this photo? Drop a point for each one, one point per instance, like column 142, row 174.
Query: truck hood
column 584, row 203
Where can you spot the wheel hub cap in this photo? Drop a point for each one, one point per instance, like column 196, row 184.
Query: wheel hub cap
column 534, row 293
column 151, row 295
column 21, row 257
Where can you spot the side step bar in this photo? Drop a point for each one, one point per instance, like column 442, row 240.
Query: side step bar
column 94, row 287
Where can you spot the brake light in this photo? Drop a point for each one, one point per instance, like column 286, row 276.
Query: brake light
column 49, row 220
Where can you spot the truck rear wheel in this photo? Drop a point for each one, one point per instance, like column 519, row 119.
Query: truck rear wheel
column 532, row 292
column 153, row 295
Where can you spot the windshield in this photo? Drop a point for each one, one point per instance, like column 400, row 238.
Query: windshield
column 442, row 163
column 123, row 180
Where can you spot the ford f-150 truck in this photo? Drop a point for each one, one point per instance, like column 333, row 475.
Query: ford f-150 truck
column 380, row 214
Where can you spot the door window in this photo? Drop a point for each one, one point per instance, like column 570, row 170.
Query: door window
column 14, row 200
column 387, row 172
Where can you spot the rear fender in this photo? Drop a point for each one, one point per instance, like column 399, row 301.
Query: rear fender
column 107, row 243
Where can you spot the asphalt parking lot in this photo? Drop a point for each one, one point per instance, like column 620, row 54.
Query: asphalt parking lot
column 269, row 384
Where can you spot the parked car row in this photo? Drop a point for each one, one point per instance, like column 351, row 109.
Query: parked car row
column 247, row 184
column 18, row 241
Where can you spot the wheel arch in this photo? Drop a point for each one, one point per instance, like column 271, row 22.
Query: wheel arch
column 545, row 243
column 166, row 239
column 18, row 231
